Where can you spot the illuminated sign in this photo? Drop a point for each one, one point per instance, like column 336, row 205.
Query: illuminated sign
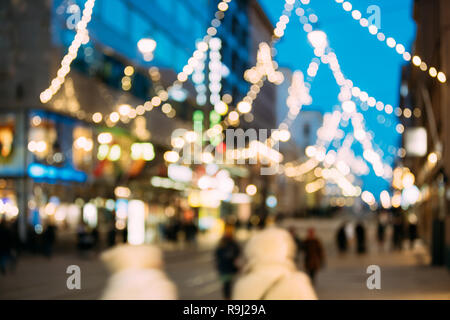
column 40, row 171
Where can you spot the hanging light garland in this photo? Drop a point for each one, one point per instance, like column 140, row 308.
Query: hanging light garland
column 81, row 37
column 392, row 43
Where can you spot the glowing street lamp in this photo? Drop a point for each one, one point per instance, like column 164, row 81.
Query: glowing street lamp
column 147, row 46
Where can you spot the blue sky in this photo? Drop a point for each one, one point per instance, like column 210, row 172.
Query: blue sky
column 373, row 66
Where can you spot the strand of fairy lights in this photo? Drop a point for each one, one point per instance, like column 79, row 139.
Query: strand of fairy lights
column 196, row 58
column 81, row 37
column 162, row 95
column 297, row 98
column 392, row 43
column 342, row 82
column 345, row 95
column 265, row 67
column 362, row 95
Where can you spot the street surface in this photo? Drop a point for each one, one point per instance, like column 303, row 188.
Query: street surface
column 404, row 275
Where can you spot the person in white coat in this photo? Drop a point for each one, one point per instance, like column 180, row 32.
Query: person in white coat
column 270, row 272
column 137, row 274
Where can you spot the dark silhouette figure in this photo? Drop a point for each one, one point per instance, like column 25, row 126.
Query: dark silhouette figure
column 314, row 254
column 48, row 240
column 412, row 233
column 190, row 230
column 397, row 236
column 85, row 241
column 6, row 244
column 125, row 234
column 112, row 235
column 226, row 255
column 298, row 243
column 360, row 238
column 341, row 239
column 95, row 239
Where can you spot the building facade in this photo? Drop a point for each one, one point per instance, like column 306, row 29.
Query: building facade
column 62, row 158
column 427, row 99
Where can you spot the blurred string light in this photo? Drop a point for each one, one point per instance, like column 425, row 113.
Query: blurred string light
column 81, row 37
column 265, row 68
column 298, row 97
column 194, row 61
column 348, row 106
column 392, row 43
column 318, row 153
column 319, row 37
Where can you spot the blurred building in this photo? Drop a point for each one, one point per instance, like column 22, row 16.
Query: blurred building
column 426, row 119
column 293, row 198
column 72, row 157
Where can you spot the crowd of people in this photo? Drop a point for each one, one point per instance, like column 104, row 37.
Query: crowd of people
column 265, row 269
column 400, row 231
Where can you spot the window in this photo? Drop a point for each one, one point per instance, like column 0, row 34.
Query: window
column 114, row 14
column 140, row 28
column 167, row 5
column 164, row 49
column 184, row 17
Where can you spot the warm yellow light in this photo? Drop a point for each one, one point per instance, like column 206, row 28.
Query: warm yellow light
column 223, row 6
column 310, row 151
column 433, row 72
column 251, row 189
column 190, row 136
column 104, row 138
column 233, row 116
column 423, row 66
column 396, row 200
column 408, row 179
column 114, row 117
column 244, row 107
column 221, row 108
column 284, row 135
column 442, row 77
column 171, row 156
column 124, row 109
column 114, row 153
column 166, row 108
column 416, row 61
column 433, row 158
column 156, row 101
column 128, row 71
column 97, row 117
column 122, row 192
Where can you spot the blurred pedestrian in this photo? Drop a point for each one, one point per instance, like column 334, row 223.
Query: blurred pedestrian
column 6, row 244
column 360, row 232
column 412, row 233
column 381, row 229
column 125, row 234
column 314, row 255
column 397, row 233
column 85, row 241
column 112, row 235
column 270, row 272
column 137, row 274
column 48, row 240
column 190, row 230
column 226, row 256
column 341, row 239
column 298, row 243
